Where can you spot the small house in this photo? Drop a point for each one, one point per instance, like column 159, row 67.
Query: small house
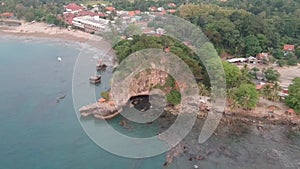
column 289, row 48
column 252, row 59
column 262, row 57
column 160, row 31
column 153, row 9
column 7, row 15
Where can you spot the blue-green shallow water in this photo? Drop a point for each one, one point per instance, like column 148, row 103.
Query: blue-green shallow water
column 35, row 131
column 38, row 133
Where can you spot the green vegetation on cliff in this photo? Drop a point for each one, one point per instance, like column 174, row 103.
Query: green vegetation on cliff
column 126, row 47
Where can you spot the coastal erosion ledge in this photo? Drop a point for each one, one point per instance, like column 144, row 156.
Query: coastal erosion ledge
column 99, row 110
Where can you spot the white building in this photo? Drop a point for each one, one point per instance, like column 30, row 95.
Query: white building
column 237, row 60
column 91, row 24
column 160, row 31
column 160, row 9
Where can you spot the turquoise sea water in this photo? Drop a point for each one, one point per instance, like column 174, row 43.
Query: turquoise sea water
column 36, row 132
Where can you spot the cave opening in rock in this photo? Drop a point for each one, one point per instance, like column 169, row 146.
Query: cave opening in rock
column 141, row 103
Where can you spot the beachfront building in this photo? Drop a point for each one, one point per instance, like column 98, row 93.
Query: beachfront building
column 91, row 24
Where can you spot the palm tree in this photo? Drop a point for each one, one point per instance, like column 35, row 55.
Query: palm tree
column 267, row 92
column 203, row 91
column 231, row 100
column 276, row 88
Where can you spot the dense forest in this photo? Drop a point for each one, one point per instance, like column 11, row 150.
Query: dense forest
column 240, row 28
column 240, row 32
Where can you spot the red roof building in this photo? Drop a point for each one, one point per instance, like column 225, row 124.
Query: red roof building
column 163, row 12
column 131, row 13
column 101, row 15
column 137, row 12
column 259, row 86
column 110, row 8
column 168, row 49
column 69, row 18
column 172, row 5
column 262, row 56
column 152, row 9
column 289, row 48
column 73, row 7
column 171, row 11
column 7, row 15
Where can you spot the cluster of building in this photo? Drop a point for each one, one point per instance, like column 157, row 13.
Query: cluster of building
column 264, row 56
column 261, row 58
column 98, row 19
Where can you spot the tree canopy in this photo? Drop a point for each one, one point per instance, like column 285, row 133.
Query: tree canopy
column 271, row 74
column 293, row 100
column 246, row 27
column 246, row 96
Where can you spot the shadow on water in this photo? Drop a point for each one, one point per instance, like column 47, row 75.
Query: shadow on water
column 141, row 104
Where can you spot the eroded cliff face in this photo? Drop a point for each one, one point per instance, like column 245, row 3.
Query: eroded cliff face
column 140, row 84
column 143, row 82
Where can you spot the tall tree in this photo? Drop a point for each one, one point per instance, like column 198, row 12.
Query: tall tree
column 252, row 45
column 247, row 96
column 271, row 74
column 233, row 75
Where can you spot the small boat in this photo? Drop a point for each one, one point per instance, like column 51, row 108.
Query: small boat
column 95, row 79
column 100, row 66
column 59, row 59
column 60, row 98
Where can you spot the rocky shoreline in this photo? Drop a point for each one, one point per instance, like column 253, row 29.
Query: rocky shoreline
column 236, row 125
column 103, row 111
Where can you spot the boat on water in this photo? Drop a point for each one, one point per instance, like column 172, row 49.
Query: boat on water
column 59, row 58
column 95, row 79
column 100, row 66
column 60, row 98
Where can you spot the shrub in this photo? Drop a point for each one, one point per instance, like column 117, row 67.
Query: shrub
column 174, row 97
column 281, row 62
column 292, row 61
column 105, row 95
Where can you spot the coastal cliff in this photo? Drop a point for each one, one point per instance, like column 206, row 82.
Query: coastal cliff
column 141, row 84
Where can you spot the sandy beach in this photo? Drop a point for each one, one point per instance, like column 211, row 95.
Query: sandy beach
column 44, row 31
